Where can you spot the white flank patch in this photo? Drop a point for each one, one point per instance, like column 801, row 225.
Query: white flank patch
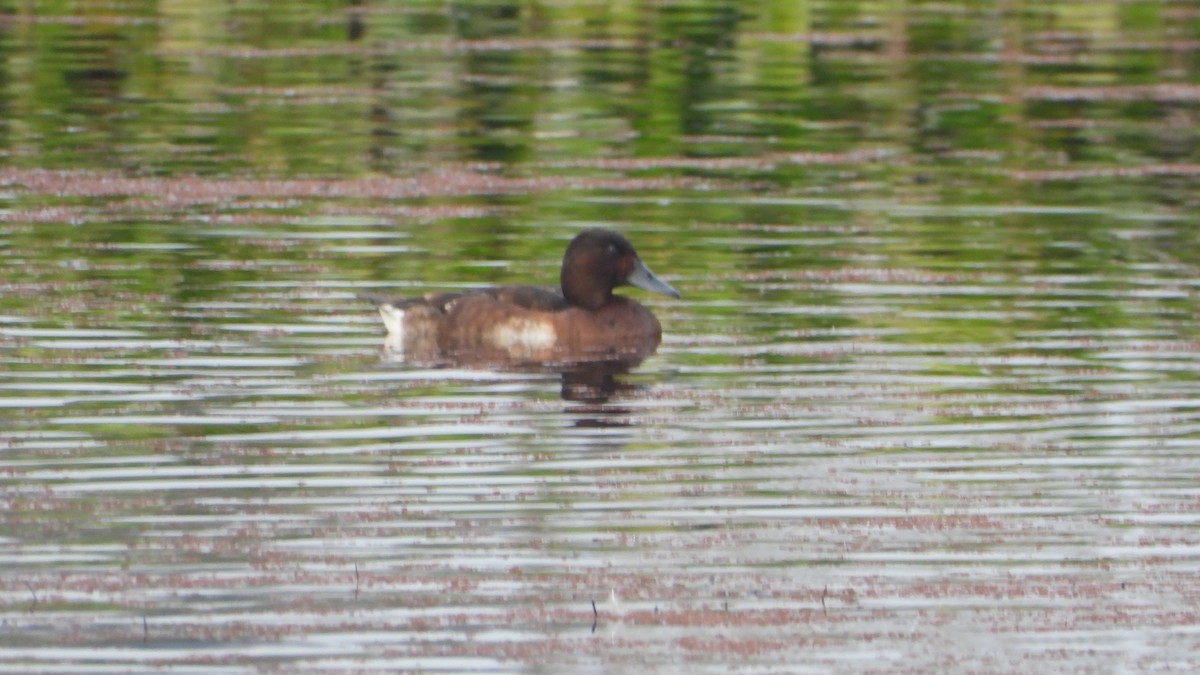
column 523, row 337
column 393, row 320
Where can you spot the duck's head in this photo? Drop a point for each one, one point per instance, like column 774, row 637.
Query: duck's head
column 597, row 261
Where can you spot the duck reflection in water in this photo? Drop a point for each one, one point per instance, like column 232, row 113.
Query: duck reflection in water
column 581, row 328
column 594, row 384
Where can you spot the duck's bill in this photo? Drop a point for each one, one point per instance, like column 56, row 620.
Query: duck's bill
column 644, row 279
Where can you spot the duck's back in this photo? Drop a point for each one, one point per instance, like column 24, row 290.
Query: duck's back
column 516, row 325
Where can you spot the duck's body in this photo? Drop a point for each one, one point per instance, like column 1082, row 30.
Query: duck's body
column 580, row 322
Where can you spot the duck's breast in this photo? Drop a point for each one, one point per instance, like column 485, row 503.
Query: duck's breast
column 621, row 330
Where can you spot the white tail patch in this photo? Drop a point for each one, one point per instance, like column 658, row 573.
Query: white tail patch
column 524, row 337
column 393, row 320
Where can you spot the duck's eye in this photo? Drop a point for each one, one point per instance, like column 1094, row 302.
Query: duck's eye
column 611, row 249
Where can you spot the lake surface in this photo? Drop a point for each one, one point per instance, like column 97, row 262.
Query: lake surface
column 930, row 400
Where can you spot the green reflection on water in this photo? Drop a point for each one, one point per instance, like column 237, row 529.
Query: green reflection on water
column 955, row 100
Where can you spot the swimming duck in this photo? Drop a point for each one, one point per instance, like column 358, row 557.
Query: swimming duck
column 582, row 321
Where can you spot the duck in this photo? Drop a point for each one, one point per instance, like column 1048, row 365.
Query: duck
column 580, row 322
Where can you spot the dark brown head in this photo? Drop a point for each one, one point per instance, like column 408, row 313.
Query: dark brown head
column 596, row 262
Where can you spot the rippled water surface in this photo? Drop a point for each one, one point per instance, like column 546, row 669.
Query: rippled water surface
column 930, row 400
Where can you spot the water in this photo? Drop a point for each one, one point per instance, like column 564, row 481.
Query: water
column 929, row 401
